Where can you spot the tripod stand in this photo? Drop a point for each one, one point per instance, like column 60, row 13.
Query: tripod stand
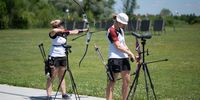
column 146, row 74
column 67, row 50
column 145, row 69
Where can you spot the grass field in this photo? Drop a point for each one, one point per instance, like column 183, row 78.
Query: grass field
column 177, row 79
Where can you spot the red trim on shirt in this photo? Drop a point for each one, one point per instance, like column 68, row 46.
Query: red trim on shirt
column 113, row 34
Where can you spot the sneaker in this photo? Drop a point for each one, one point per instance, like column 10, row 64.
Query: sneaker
column 66, row 97
column 49, row 98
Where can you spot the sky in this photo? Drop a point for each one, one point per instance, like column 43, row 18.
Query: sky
column 155, row 6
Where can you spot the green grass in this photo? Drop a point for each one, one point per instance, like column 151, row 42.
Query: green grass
column 177, row 79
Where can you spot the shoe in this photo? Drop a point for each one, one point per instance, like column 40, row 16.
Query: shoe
column 66, row 97
column 49, row 98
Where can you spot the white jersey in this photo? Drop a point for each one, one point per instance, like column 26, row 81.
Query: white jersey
column 57, row 49
column 116, row 35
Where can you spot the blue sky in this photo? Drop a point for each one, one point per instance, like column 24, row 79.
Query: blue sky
column 155, row 6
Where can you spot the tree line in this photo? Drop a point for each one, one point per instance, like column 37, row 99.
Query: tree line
column 38, row 13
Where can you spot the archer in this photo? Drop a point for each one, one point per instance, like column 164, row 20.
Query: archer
column 119, row 55
column 57, row 55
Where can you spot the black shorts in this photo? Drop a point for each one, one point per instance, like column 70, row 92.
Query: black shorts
column 57, row 61
column 117, row 65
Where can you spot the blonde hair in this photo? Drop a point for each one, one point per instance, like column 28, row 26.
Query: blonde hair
column 55, row 23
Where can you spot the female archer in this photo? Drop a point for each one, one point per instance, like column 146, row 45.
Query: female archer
column 57, row 55
column 118, row 55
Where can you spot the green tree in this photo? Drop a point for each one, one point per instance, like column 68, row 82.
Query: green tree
column 25, row 13
column 165, row 12
column 38, row 13
column 3, row 15
column 95, row 9
column 129, row 6
column 107, row 9
column 61, row 6
column 44, row 13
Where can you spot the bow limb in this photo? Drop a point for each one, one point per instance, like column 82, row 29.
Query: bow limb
column 108, row 71
column 86, row 25
column 88, row 37
column 86, row 48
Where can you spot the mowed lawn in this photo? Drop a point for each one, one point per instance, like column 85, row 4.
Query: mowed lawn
column 21, row 63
